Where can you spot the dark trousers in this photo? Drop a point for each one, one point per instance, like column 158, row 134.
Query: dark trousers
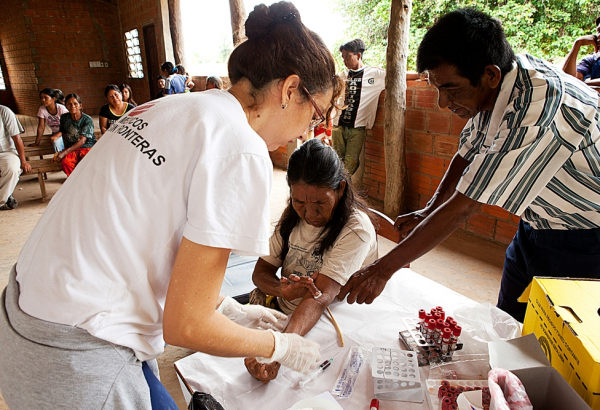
column 546, row 252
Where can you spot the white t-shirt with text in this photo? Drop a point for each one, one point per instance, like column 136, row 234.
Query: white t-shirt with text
column 101, row 256
column 361, row 96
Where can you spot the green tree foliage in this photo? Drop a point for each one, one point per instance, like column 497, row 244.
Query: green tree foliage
column 543, row 28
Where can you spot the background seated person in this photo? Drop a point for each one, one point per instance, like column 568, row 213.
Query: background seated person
column 174, row 83
column 325, row 234
column 49, row 113
column 127, row 94
column 161, row 86
column 78, row 134
column 214, row 82
column 588, row 69
column 114, row 110
column 189, row 84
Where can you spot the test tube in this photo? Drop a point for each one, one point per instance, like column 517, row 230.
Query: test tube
column 422, row 316
column 430, row 330
column 455, row 333
column 439, row 326
column 427, row 317
column 446, row 334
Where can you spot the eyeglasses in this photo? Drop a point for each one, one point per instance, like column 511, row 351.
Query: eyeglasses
column 315, row 121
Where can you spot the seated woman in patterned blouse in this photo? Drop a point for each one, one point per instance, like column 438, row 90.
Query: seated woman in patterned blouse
column 77, row 131
column 323, row 236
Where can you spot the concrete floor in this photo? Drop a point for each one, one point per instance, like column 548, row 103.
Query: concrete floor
column 464, row 263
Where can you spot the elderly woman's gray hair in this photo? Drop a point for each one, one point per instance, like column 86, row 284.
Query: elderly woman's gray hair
column 214, row 82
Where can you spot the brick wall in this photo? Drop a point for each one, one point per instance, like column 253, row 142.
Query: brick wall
column 138, row 14
column 49, row 43
column 18, row 59
column 432, row 137
column 65, row 37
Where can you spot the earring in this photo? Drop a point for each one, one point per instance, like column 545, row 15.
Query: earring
column 283, row 106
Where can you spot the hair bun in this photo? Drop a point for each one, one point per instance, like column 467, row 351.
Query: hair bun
column 263, row 19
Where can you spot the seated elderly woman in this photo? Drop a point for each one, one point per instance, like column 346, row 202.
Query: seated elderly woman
column 324, row 235
column 77, row 130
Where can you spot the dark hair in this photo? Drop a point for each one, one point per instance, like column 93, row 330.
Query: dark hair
column 597, row 20
column 216, row 80
column 469, row 40
column 180, row 69
column 168, row 67
column 111, row 87
column 60, row 97
column 356, row 46
column 161, row 77
column 278, row 46
column 49, row 92
column 124, row 86
column 73, row 95
column 317, row 164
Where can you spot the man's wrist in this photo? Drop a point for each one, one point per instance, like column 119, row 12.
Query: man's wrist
column 387, row 267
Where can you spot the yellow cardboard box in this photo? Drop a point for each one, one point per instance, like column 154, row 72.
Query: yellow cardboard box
column 564, row 314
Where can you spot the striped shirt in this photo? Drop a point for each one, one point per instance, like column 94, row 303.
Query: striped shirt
column 537, row 154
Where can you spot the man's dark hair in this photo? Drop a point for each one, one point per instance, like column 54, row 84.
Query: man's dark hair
column 161, row 77
column 469, row 40
column 597, row 21
column 317, row 164
column 356, row 46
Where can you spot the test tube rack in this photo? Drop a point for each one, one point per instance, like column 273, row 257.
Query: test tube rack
column 427, row 353
column 396, row 374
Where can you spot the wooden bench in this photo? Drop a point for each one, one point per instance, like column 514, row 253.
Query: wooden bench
column 41, row 165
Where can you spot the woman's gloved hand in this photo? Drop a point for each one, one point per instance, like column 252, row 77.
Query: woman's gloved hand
column 253, row 316
column 295, row 352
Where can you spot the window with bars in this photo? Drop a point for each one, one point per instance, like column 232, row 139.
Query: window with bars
column 134, row 58
column 2, row 83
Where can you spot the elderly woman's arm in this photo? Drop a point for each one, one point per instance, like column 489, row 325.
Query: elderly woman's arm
column 309, row 310
column 305, row 316
column 265, row 278
column 82, row 140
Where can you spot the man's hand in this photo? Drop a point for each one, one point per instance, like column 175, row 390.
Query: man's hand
column 590, row 40
column 264, row 372
column 26, row 167
column 406, row 223
column 33, row 144
column 296, row 287
column 365, row 285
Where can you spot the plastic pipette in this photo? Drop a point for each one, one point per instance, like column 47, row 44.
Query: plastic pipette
column 318, row 371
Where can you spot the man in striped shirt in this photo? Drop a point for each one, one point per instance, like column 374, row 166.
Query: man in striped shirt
column 531, row 146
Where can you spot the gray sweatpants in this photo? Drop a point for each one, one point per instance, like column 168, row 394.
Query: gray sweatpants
column 48, row 365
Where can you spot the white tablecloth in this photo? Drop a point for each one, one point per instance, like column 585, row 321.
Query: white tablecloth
column 372, row 325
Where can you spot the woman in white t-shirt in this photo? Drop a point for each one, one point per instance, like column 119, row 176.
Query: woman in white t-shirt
column 49, row 114
column 323, row 236
column 132, row 250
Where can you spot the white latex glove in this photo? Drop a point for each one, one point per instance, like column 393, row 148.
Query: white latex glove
column 294, row 351
column 252, row 316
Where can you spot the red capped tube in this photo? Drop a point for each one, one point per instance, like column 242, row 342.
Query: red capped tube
column 374, row 405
